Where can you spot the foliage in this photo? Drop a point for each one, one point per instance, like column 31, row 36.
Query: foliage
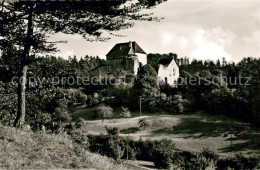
column 239, row 161
column 80, row 97
column 178, row 105
column 230, row 89
column 25, row 28
column 112, row 130
column 104, row 112
column 80, row 137
column 118, row 147
column 79, row 123
column 106, row 145
column 44, row 107
column 8, row 101
column 125, row 112
column 143, row 123
column 163, row 154
column 189, row 160
column 152, row 59
column 145, row 86
column 38, row 150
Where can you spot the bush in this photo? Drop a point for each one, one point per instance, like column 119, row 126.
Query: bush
column 188, row 160
column 104, row 112
column 79, row 137
column 79, row 123
column 239, row 161
column 178, row 105
column 143, row 123
column 125, row 112
column 210, row 154
column 112, row 130
column 130, row 149
column 107, row 145
column 80, row 97
column 162, row 154
column 8, row 103
column 116, row 150
column 118, row 147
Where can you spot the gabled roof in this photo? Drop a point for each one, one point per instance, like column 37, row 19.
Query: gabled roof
column 124, row 49
column 165, row 61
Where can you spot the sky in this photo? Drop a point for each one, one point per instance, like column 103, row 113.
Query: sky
column 198, row 29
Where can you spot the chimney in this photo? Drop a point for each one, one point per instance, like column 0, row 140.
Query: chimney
column 130, row 44
column 133, row 46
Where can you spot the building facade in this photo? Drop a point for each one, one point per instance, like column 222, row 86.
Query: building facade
column 127, row 56
column 168, row 71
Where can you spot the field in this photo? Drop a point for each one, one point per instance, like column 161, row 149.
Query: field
column 192, row 132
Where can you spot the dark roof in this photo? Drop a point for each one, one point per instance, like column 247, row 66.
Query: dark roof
column 123, row 49
column 165, row 61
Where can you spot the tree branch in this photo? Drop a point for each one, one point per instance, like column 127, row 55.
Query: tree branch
column 55, row 42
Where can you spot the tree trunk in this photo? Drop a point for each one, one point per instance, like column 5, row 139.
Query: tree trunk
column 19, row 121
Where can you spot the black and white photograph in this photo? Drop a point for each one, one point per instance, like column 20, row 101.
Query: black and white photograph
column 130, row 84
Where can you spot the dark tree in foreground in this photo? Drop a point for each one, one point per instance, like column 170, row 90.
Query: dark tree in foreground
column 25, row 25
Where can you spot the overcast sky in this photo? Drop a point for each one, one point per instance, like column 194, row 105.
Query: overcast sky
column 201, row 29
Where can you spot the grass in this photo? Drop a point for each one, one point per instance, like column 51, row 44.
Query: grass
column 23, row 149
column 193, row 132
column 87, row 113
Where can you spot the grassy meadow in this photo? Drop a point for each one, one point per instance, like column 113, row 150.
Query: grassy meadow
column 193, row 132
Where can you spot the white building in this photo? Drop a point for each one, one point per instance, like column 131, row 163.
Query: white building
column 168, row 71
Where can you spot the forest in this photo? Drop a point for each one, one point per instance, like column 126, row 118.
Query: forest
column 225, row 95
column 54, row 113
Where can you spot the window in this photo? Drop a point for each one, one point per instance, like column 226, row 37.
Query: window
column 166, row 81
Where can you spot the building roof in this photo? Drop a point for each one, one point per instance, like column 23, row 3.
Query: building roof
column 165, row 61
column 124, row 49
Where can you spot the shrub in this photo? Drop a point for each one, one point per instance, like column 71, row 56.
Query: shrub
column 80, row 97
column 79, row 123
column 116, row 151
column 130, row 149
column 188, row 160
column 107, row 145
column 162, row 153
column 61, row 111
column 112, row 130
column 143, row 123
column 143, row 149
column 210, row 154
column 79, row 137
column 178, row 105
column 239, row 161
column 8, row 109
column 104, row 112
column 8, row 103
column 118, row 147
column 125, row 112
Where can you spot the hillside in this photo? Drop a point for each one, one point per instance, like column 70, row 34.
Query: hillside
column 23, row 149
column 195, row 132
